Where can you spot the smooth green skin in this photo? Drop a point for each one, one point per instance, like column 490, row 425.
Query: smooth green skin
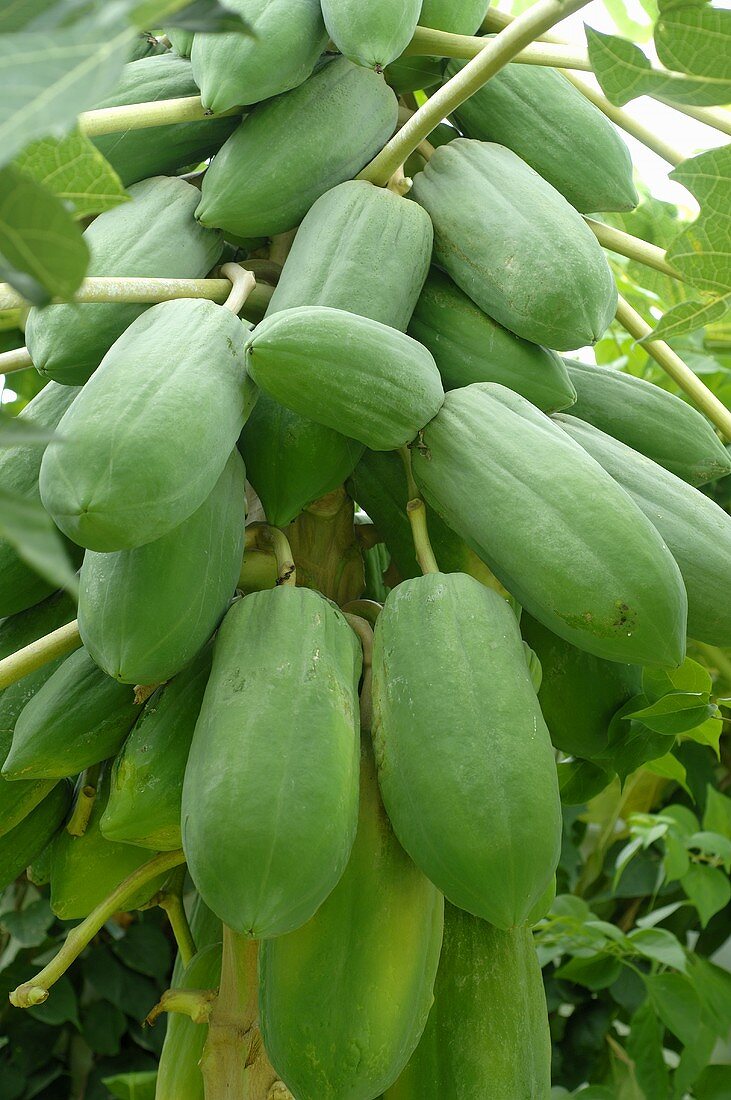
column 85, row 869
column 359, row 248
column 650, row 420
column 147, row 775
column 231, row 69
column 153, row 235
column 479, row 813
column 372, row 34
column 303, row 143
column 468, row 346
column 160, row 150
column 79, row 717
column 350, row 373
column 579, row 693
column 344, row 999
column 145, row 613
column 409, row 74
column 25, row 842
column 150, row 434
column 487, row 1035
column 178, row 1074
column 696, row 530
column 541, row 513
column 291, row 460
column 20, row 585
column 515, row 245
column 17, row 799
column 543, row 118
column 270, row 797
column 181, row 40
column 455, row 16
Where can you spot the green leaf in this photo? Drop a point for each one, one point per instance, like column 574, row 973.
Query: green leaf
column 210, row 16
column 708, row 888
column 689, row 677
column 702, row 252
column 713, row 845
column 717, row 816
column 689, row 38
column 669, row 767
column 631, row 744
column 677, row 712
column 644, row 1046
column 29, row 926
column 689, row 316
column 624, row 73
column 677, row 1003
column 38, row 238
column 75, row 171
column 676, row 860
column 103, row 1025
column 714, row 1083
column 145, row 948
column 660, row 945
column 714, row 987
column 132, row 1086
column 708, row 733
column 580, row 780
column 685, row 821
column 598, row 972
column 31, row 531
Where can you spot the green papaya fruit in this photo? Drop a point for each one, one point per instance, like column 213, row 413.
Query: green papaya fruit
column 271, row 786
column 153, row 235
column 178, row 1074
column 350, row 373
column 18, row 798
column 145, row 45
column 291, row 460
column 27, row 839
column 455, row 16
column 20, row 585
column 579, row 693
column 39, row 870
column 302, row 143
column 468, row 346
column 181, row 40
column 136, row 154
column 344, row 999
column 278, row 52
column 696, row 530
column 86, row 869
column 537, row 113
column 147, row 776
column 502, row 233
column 79, row 717
column 650, row 420
column 378, row 484
column 541, row 514
column 360, row 248
column 372, row 34
column 411, row 74
column 479, row 813
column 487, row 1034
column 145, row 613
column 149, row 436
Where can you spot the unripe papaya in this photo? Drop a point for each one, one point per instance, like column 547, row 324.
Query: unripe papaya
column 79, row 717
column 145, row 613
column 181, row 40
column 360, row 248
column 487, row 1034
column 294, row 148
column 480, row 813
column 86, row 869
column 147, row 776
column 344, row 999
column 372, row 34
column 178, row 1075
column 515, row 245
column 148, row 438
column 27, row 839
column 537, row 113
column 350, row 373
column 468, row 346
column 136, row 154
column 455, row 16
column 579, row 693
column 271, row 786
column 145, row 45
column 154, row 235
column 650, row 420
column 695, row 528
column 541, row 514
column 278, row 52
column 20, row 585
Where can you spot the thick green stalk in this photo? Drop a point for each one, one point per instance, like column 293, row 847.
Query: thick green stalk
column 431, row 43
column 634, row 248
column 56, row 644
column 142, row 116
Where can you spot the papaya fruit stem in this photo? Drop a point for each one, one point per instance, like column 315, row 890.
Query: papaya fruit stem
column 494, row 56
column 56, row 644
column 280, row 247
column 673, row 365
column 17, row 359
column 399, row 183
column 141, row 116
column 416, row 512
column 616, row 240
column 242, row 284
column 232, row 1032
column 428, row 42
column 363, row 609
column 170, row 899
column 84, row 803
column 195, row 1003
column 364, row 631
column 35, row 991
column 264, row 534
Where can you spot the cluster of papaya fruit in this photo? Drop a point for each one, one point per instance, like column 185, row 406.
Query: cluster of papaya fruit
column 565, row 513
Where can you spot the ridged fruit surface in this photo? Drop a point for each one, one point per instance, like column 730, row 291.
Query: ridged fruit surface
column 371, row 34
column 22, row 844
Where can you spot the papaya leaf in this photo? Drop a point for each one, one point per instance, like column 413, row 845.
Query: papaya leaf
column 675, row 713
column 38, row 237
column 75, row 171
column 689, row 677
column 669, row 767
column 211, row 16
column 689, row 39
column 580, row 780
column 702, row 252
column 659, row 945
column 717, row 816
column 624, row 73
column 708, row 888
column 707, row 733
column 30, row 530
column 689, row 316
